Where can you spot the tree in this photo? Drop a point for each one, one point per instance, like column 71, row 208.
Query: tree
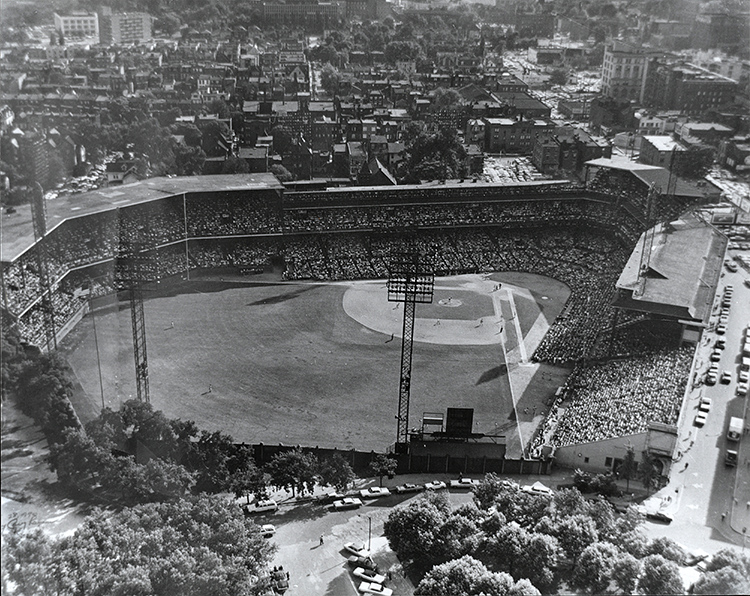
column 382, row 465
column 625, row 573
column 575, row 533
column 538, row 563
column 667, row 548
column 196, row 546
column 411, row 530
column 694, row 163
column 559, row 76
column 214, row 132
column 282, row 139
column 281, row 173
column 248, row 480
column 660, row 576
column 647, row 471
column 294, row 471
column 728, row 557
column 593, row 571
column 724, row 581
column 235, row 165
column 464, row 577
column 189, row 160
column 457, row 537
column 335, row 471
column 628, row 468
column 330, row 79
column 446, row 98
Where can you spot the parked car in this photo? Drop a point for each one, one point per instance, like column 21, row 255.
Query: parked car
column 369, row 575
column 464, row 483
column 741, row 390
column 704, row 405
column 659, row 516
column 267, row 530
column 726, row 377
column 373, row 588
column 347, row 503
column 700, row 419
column 330, row 497
column 721, row 329
column 731, row 265
column 435, row 485
column 373, row 492
column 365, row 562
column 262, row 506
column 715, row 356
column 536, row 489
column 710, row 378
column 357, row 549
column 409, row 488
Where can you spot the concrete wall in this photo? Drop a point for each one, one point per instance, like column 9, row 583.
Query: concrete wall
column 592, row 457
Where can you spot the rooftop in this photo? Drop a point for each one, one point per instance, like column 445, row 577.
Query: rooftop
column 682, row 271
column 18, row 232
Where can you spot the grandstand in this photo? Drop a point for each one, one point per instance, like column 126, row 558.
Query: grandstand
column 581, row 237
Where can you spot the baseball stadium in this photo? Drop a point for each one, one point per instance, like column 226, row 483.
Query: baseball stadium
column 265, row 313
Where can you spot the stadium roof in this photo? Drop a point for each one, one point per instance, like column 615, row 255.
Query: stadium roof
column 681, row 274
column 18, row 232
column 660, row 178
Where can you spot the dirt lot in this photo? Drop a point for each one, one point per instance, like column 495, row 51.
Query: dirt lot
column 295, row 363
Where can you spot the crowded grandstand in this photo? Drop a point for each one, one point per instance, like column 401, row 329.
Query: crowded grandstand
column 250, row 223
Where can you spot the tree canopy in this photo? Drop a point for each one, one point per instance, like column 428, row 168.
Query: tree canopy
column 193, row 547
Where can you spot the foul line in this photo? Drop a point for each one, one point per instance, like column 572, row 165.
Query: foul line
column 517, row 325
column 498, row 309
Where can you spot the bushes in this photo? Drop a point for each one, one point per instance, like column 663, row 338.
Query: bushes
column 603, row 484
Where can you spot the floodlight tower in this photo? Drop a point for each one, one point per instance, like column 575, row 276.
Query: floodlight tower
column 39, row 222
column 411, row 280
column 131, row 273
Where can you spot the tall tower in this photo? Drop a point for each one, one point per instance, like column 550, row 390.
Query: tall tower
column 411, row 280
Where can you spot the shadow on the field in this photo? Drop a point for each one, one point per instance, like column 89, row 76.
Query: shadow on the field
column 279, row 298
column 492, row 374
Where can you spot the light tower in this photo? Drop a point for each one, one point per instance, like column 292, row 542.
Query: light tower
column 131, row 273
column 39, row 222
column 411, row 280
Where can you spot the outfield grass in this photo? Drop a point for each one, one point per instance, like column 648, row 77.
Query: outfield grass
column 285, row 362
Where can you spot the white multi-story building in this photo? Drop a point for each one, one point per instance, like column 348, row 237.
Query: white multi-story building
column 624, row 70
column 77, row 24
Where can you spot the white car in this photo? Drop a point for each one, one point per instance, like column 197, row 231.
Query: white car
column 743, row 376
column 700, row 418
column 373, row 588
column 267, row 530
column 435, row 485
column 721, row 329
column 347, row 503
column 374, row 492
column 704, row 405
column 369, row 575
column 742, row 389
column 261, row 506
column 357, row 549
column 409, row 488
column 726, row 377
column 464, row 483
column 536, row 489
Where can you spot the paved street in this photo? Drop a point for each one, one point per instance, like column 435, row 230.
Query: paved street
column 709, row 500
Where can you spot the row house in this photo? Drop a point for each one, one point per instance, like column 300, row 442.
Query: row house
column 566, row 150
column 514, row 135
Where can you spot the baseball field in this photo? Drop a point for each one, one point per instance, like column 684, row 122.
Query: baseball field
column 318, row 363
